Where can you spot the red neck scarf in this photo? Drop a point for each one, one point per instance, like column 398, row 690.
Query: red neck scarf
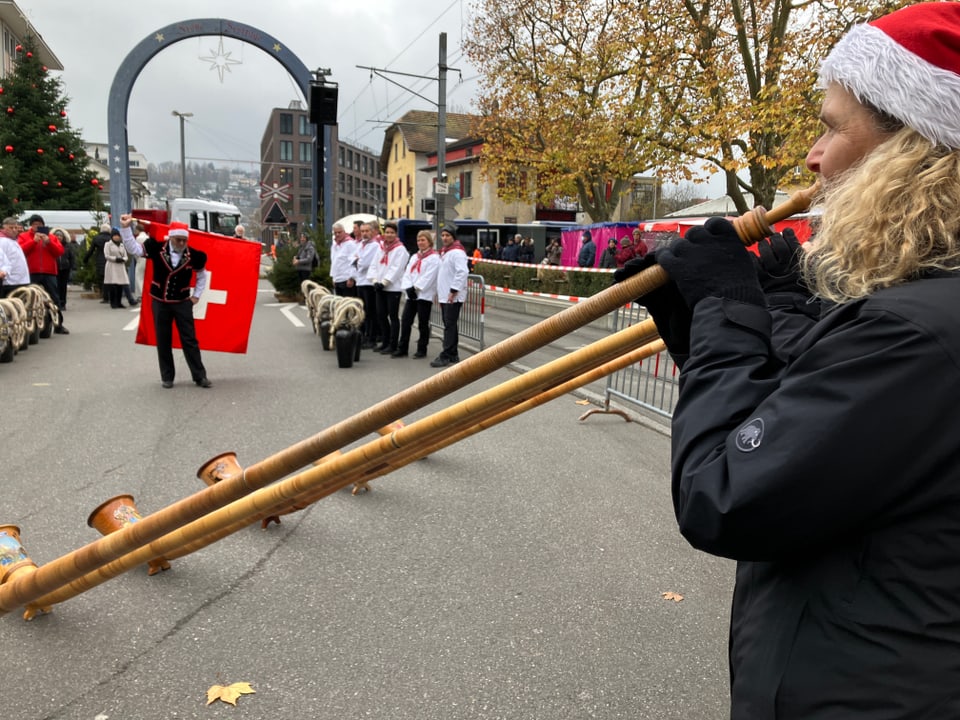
column 420, row 257
column 455, row 245
column 387, row 248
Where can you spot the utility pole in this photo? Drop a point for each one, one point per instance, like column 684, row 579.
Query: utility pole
column 438, row 219
column 183, row 154
column 442, row 189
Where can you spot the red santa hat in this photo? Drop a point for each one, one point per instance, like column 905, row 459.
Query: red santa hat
column 178, row 229
column 906, row 64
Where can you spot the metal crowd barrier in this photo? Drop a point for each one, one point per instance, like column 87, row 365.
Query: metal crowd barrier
column 471, row 314
column 651, row 384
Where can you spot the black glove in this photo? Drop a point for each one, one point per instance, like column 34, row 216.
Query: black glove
column 666, row 306
column 710, row 261
column 778, row 266
column 378, row 286
column 412, row 293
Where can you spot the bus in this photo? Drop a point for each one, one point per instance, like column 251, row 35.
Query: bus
column 474, row 233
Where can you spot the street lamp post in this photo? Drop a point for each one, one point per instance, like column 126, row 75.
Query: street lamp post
column 183, row 159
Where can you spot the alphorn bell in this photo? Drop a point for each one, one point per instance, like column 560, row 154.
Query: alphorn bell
column 28, row 588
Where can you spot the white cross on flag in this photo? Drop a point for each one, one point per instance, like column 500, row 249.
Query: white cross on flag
column 225, row 311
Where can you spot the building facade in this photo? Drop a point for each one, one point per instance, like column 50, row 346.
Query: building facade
column 286, row 174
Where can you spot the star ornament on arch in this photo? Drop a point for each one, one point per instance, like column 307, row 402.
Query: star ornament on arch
column 220, row 60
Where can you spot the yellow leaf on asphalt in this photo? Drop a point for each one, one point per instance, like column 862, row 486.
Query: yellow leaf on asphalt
column 669, row 595
column 583, row 402
column 228, row 693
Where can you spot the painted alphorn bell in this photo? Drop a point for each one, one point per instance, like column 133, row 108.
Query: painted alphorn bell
column 202, row 510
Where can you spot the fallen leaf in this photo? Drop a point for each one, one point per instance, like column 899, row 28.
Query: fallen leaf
column 228, row 693
column 670, row 595
column 583, row 402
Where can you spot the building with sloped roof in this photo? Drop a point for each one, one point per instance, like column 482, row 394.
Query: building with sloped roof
column 406, row 144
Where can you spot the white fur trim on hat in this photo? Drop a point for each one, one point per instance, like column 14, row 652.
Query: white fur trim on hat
column 177, row 232
column 880, row 71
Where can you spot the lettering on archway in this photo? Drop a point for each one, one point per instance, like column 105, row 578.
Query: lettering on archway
column 133, row 64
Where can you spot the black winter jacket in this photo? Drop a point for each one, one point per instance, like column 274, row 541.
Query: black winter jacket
column 832, row 474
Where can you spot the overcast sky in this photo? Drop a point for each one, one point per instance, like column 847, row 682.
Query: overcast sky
column 92, row 38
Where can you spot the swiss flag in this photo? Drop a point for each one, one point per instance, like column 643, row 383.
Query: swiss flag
column 225, row 311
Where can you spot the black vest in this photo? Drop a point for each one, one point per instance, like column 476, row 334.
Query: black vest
column 171, row 283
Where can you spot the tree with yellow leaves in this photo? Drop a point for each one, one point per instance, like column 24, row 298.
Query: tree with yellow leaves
column 588, row 94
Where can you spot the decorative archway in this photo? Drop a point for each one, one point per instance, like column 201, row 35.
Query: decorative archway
column 161, row 39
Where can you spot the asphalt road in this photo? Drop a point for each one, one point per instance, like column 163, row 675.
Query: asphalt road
column 518, row 574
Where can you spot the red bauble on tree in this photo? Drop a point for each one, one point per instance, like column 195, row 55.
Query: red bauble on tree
column 63, row 113
column 95, row 182
column 29, row 54
column 71, row 156
column 52, row 128
column 44, row 183
column 59, row 184
column 19, row 48
column 9, row 111
column 61, row 149
column 39, row 151
column 9, row 148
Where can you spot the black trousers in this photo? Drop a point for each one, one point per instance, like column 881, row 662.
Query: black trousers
column 419, row 309
column 371, row 329
column 63, row 279
column 52, row 286
column 450, row 313
column 388, row 315
column 165, row 315
column 344, row 290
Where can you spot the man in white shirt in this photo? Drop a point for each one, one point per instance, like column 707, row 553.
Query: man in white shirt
column 451, row 292
column 343, row 257
column 13, row 263
column 367, row 254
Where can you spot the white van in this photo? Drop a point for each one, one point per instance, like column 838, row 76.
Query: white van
column 206, row 215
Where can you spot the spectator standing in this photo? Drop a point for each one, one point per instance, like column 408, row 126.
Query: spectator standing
column 175, row 264
column 305, row 259
column 43, row 253
column 554, row 252
column 587, row 256
column 66, row 264
column 14, row 272
column 420, row 286
column 115, row 273
column 368, row 252
column 386, row 274
column 511, row 251
column 608, row 258
column 97, row 244
column 344, row 262
column 451, row 293
column 526, row 252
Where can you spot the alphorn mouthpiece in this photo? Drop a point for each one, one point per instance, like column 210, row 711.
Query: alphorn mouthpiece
column 758, row 223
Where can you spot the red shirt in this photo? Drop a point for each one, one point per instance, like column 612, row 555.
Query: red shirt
column 41, row 259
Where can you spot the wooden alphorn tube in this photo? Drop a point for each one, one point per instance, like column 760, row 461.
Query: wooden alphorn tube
column 340, row 470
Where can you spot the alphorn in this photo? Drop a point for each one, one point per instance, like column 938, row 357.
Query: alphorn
column 375, row 457
column 27, row 588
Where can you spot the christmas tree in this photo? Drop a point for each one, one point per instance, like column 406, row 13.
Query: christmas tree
column 43, row 165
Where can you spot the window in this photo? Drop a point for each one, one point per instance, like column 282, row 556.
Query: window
column 364, row 165
column 306, row 177
column 396, row 149
column 286, row 176
column 286, row 124
column 304, row 125
column 341, row 183
column 466, row 184
column 349, row 184
column 305, row 205
column 306, row 152
column 341, row 154
column 286, row 151
column 343, row 207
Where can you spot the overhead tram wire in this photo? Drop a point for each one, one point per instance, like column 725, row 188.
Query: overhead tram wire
column 401, row 54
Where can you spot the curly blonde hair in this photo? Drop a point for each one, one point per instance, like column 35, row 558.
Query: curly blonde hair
column 887, row 220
